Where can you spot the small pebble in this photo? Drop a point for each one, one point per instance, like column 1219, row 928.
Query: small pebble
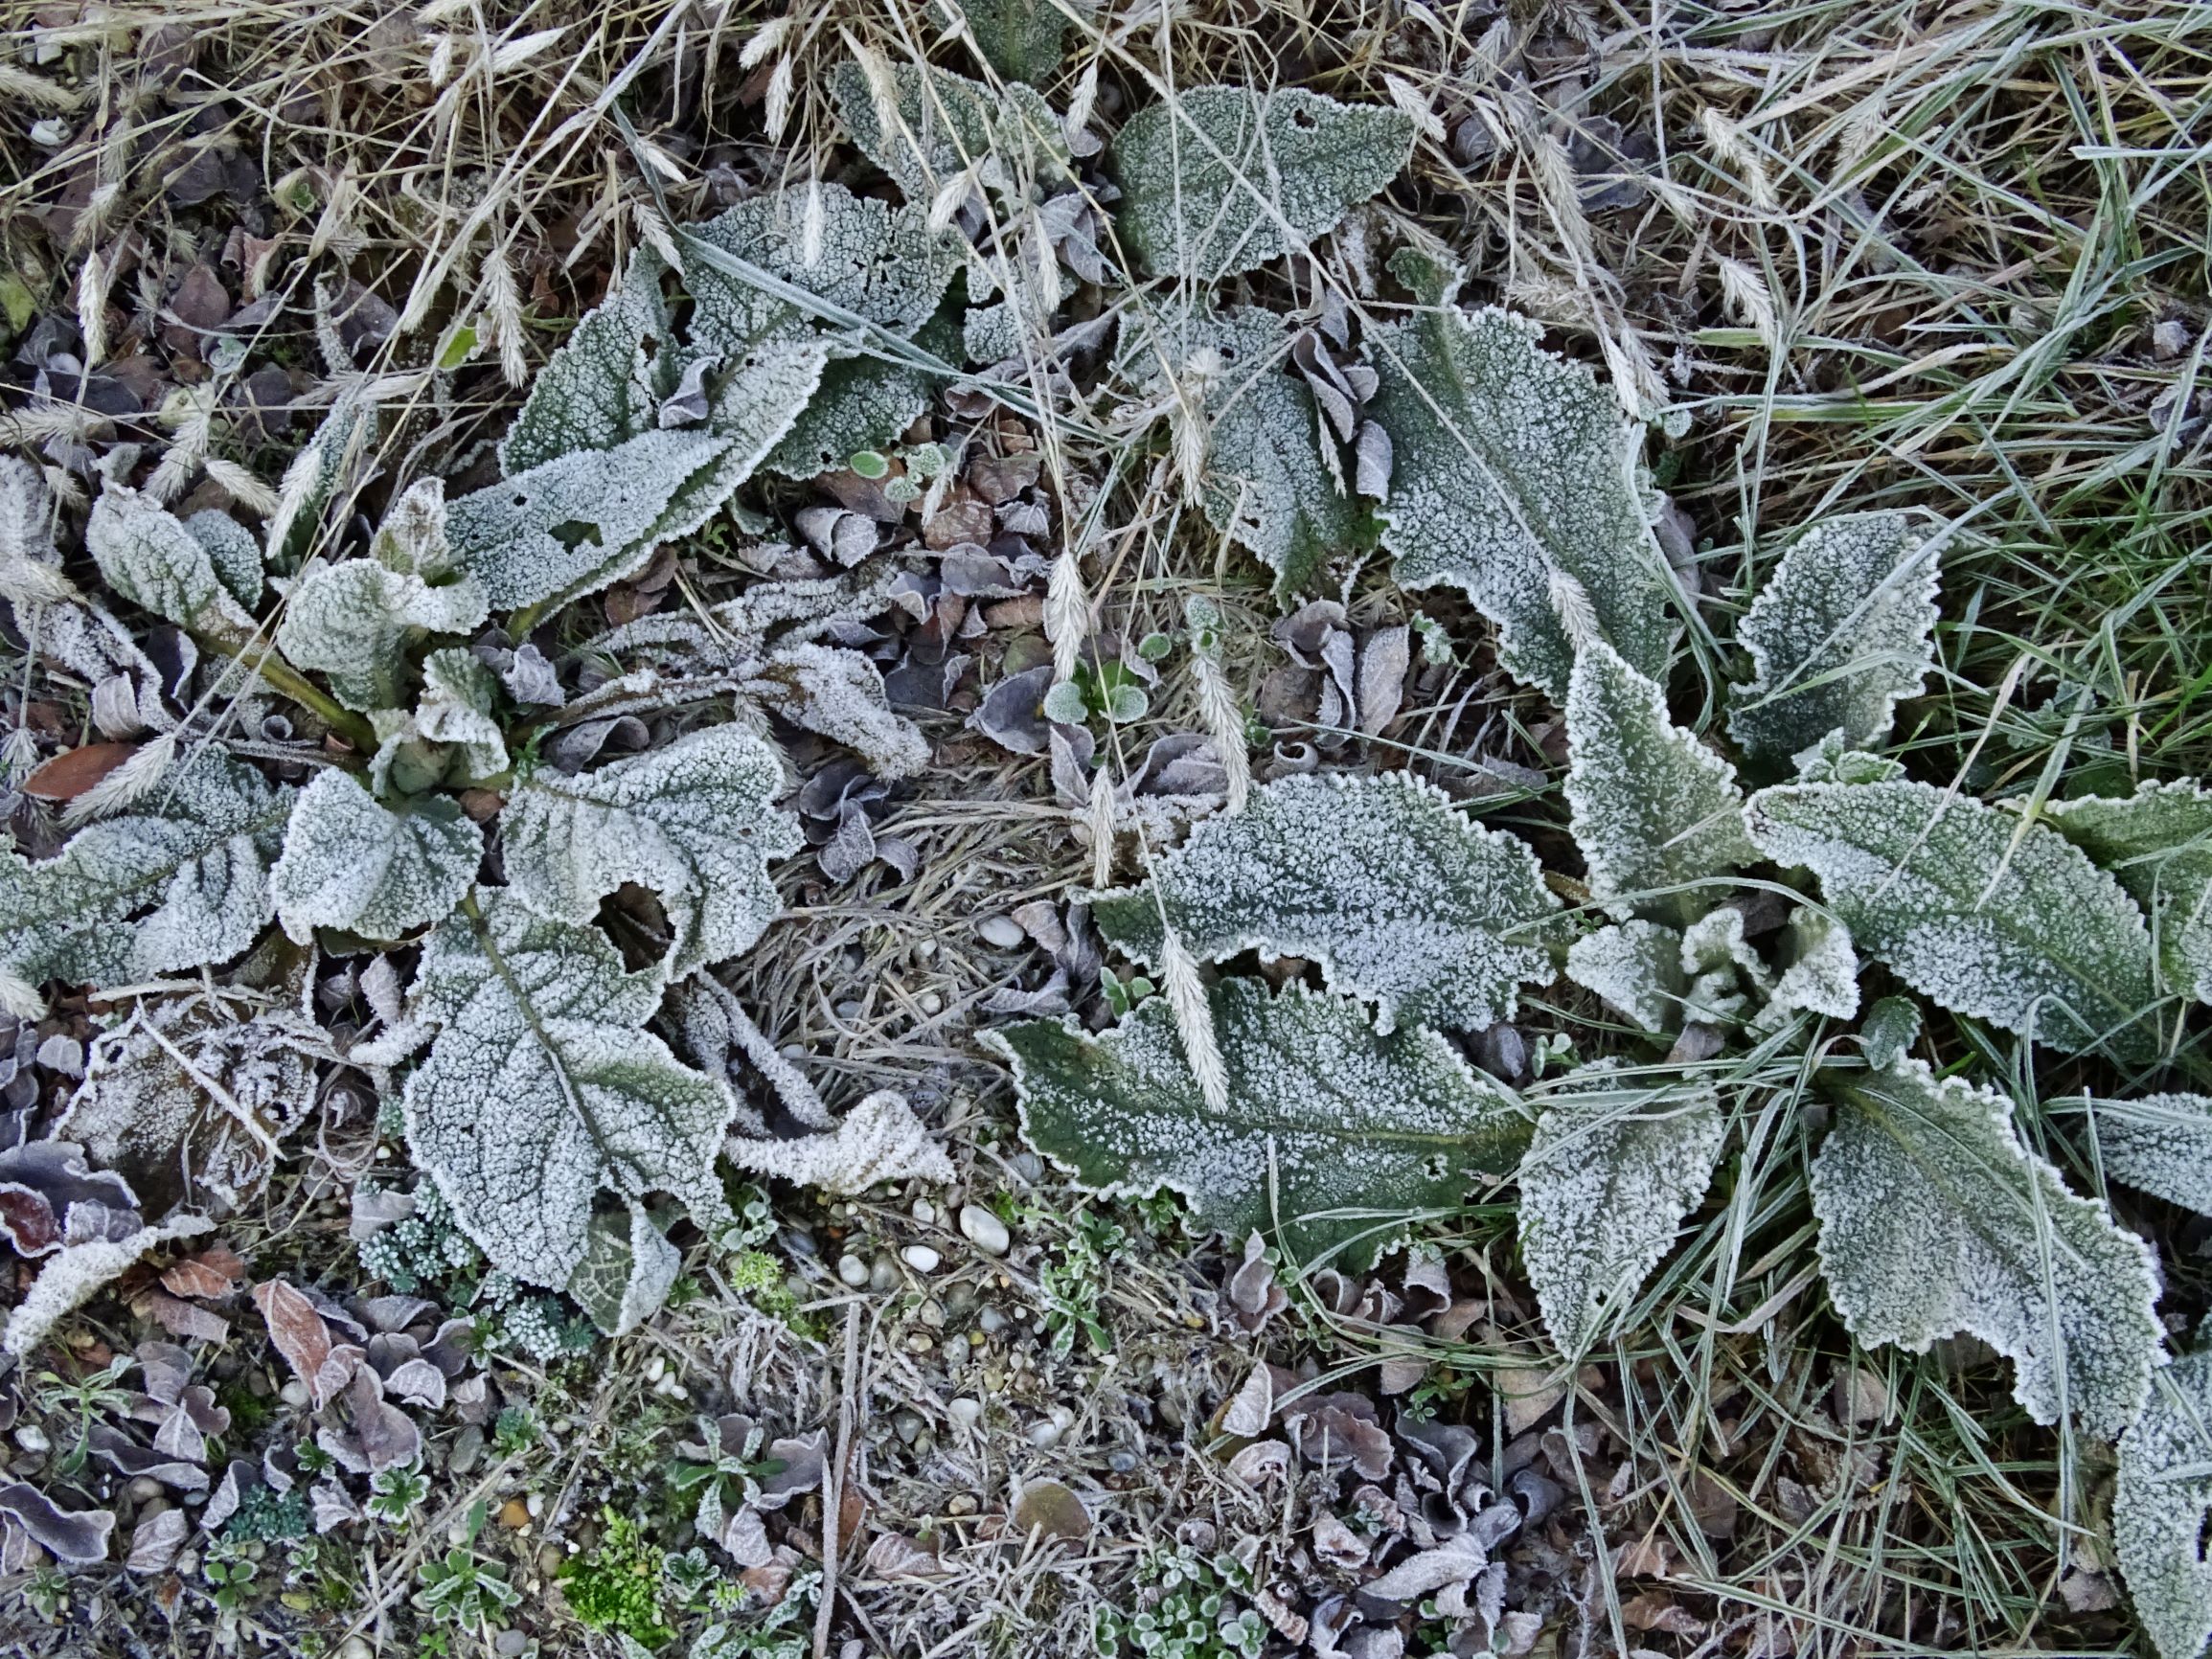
column 536, row 1505
column 907, row 1424
column 853, row 1271
column 2168, row 341
column 551, row 1558
column 509, row 1644
column 964, row 1410
column 985, row 1230
column 457, row 1535
column 1003, row 931
column 883, row 1274
column 33, row 1440
column 515, row 1514
column 1049, row 1433
column 187, row 1563
column 924, row 1211
column 991, row 1320
column 921, row 1257
column 1029, row 1166
column 144, row 1487
column 932, row 1315
column 918, row 1342
column 930, row 1003
column 295, row 1393
column 961, row 1504
column 467, row 1449
column 655, row 1368
column 353, row 1647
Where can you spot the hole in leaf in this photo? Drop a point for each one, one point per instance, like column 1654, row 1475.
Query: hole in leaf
column 575, row 533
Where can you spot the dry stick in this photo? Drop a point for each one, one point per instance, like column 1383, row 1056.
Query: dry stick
column 833, row 1484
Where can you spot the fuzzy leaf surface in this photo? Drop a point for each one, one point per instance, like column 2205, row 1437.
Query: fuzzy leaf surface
column 696, row 821
column 353, row 863
column 2161, row 1143
column 1637, row 967
column 541, row 1090
column 1840, row 631
column 1654, row 810
column 1935, row 1220
column 2031, row 937
column 840, row 695
column 152, row 560
column 592, row 393
column 1222, row 179
column 1324, row 1115
column 1399, row 897
column 353, row 622
column 1511, row 464
column 628, row 1267
column 1023, row 39
column 1603, row 1186
column 1822, row 976
column 940, row 123
column 2159, row 1503
column 2158, row 843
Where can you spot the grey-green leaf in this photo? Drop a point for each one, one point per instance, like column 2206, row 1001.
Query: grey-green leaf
column 1611, row 1172
column 152, row 560
column 353, row 622
column 1511, row 464
column 1399, row 897
column 1023, row 39
column 694, row 822
column 1637, row 967
column 2160, row 1504
column 1992, row 919
column 1656, row 812
column 353, row 863
column 1220, row 179
column 541, row 1088
column 628, row 1267
column 2158, row 843
column 1331, row 1129
column 1934, row 1219
column 2161, row 1143
column 592, row 393
column 1838, row 633
column 940, row 124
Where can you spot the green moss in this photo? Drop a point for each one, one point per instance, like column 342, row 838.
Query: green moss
column 617, row 1586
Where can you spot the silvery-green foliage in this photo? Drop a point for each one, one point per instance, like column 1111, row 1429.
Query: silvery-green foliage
column 2158, row 843
column 1838, row 633
column 353, row 863
column 863, row 403
column 149, row 558
column 596, row 390
column 1512, row 465
column 2159, row 1503
column 233, row 551
column 694, row 822
column 878, row 1140
column 2002, row 921
column 1654, row 810
column 940, row 124
column 1935, row 1220
column 1833, row 761
column 1398, row 896
column 626, row 1272
column 1889, row 1030
column 1271, row 478
column 459, row 695
column 1637, row 967
column 312, row 479
column 1331, row 1129
column 191, row 864
column 1613, row 1169
column 1220, row 179
column 1725, row 973
column 840, row 695
column 1821, row 974
column 2161, row 1143
column 858, row 255
column 1021, row 39
column 542, row 1089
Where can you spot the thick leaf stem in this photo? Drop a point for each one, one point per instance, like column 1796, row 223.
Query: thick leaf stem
column 289, row 682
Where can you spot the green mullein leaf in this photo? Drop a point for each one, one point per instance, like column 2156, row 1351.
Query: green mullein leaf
column 2158, row 843
column 353, row 863
column 941, row 125
column 2160, row 1504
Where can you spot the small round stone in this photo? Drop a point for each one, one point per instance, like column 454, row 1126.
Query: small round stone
column 985, row 1230
column 33, row 1440
column 144, row 1488
column 991, row 1320
column 510, row 1642
column 883, row 1274
column 924, row 1211
column 1003, row 931
column 295, row 1393
column 921, row 1257
column 930, row 1003
column 853, row 1271
column 964, row 1410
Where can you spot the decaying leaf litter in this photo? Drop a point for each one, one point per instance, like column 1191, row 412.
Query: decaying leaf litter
column 1868, row 361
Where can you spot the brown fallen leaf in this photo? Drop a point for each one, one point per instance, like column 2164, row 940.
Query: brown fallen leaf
column 74, row 771
column 214, row 1271
column 295, row 1327
column 1051, row 1508
column 181, row 1318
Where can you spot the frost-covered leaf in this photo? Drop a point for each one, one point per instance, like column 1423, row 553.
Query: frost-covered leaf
column 193, row 1088
column 2018, row 928
column 2161, row 1143
column 1222, row 179
column 459, row 695
column 628, row 1267
column 2160, row 1504
column 353, row 623
column 1512, row 465
column 1269, row 481
column 315, row 474
column 875, row 260
column 74, row 1276
column 941, row 123
column 1891, row 1027
column 1838, row 634
column 233, row 551
column 190, row 863
column 1330, row 1126
column 878, row 1140
column 1655, row 811
column 1637, row 967
column 353, row 864
column 541, row 1090
column 1934, row 1219
column 2158, row 843
column 593, row 393
column 1611, row 1173
column 573, row 525
column 1398, row 896
column 696, row 821
column 149, row 558
column 1821, row 976
column 863, row 403
column 1019, row 38
column 840, row 695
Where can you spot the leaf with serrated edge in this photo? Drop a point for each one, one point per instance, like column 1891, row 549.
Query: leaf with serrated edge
column 149, row 558
column 2027, row 935
column 1934, row 1219
column 2159, row 1503
column 628, row 1267
column 1839, row 632
column 541, row 1090
column 592, row 393
column 2160, row 1143
column 840, row 695
column 694, row 822
column 2158, row 843
column 1822, row 976
column 865, row 402
column 194, row 858
column 1019, row 38
column 353, row 622
column 1611, row 1173
column 1655, row 811
column 1511, row 464
column 1637, row 967
column 940, row 123
column 1222, row 179
column 1397, row 896
column 1324, row 1116
column 351, row 863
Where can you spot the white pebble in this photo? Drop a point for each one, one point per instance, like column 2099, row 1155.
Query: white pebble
column 921, row 1257
column 1002, row 931
column 295, row 1393
column 966, row 1412
column 924, row 1211
column 931, row 1003
column 853, row 1271
column 1047, row 1434
column 655, row 1368
column 534, row 1503
column 33, row 1440
column 984, row 1230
